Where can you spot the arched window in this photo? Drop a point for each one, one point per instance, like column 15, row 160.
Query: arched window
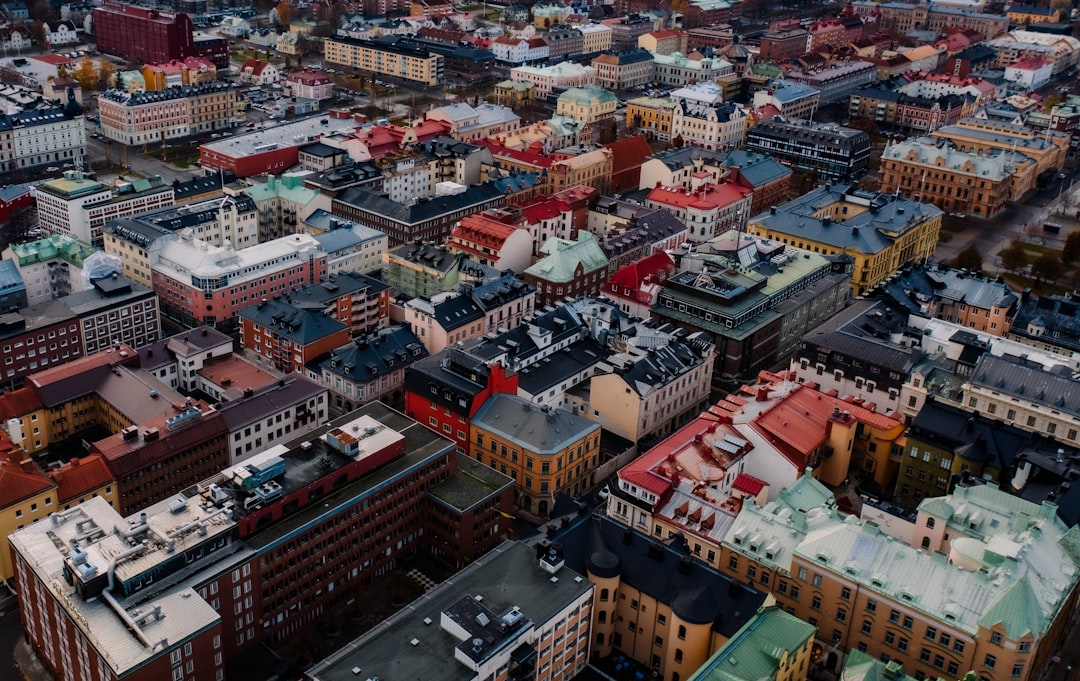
column 603, row 595
column 926, row 542
column 930, row 523
column 601, row 617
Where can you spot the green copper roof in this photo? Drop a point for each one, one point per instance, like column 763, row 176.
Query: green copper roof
column 61, row 246
column 587, row 95
column 862, row 667
column 757, row 650
column 563, row 258
column 288, row 187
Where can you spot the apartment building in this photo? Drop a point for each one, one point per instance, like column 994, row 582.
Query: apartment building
column 176, row 360
column 835, row 82
column 773, row 641
column 702, row 118
column 512, row 599
column 79, row 206
column 223, row 280
column 754, row 314
column 407, row 64
column 1024, row 393
column 832, row 151
column 708, row 209
column 903, row 17
column 568, row 268
column 266, row 545
column 589, row 104
column 548, row 79
column 870, row 589
column 913, row 114
column 287, row 337
column 882, row 233
column 545, row 451
column 654, row 115
column 115, row 310
column 43, row 136
column 1049, row 148
column 671, row 615
column 492, row 243
column 133, row 118
column 963, row 182
column 51, row 267
column 623, row 70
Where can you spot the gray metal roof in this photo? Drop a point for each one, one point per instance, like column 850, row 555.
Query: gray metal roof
column 539, row 430
column 1028, row 381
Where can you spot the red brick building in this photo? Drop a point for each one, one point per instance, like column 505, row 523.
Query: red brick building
column 154, row 460
column 270, row 548
column 781, row 43
column 141, row 34
column 286, row 337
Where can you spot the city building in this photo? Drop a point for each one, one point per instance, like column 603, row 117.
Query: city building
column 382, row 459
column 568, row 269
column 371, row 367
column 407, row 64
column 835, row 82
column 882, row 233
column 1026, row 394
column 548, row 79
column 833, row 152
column 445, row 319
column 754, row 312
column 176, row 360
column 286, row 337
column 43, row 136
column 974, row 183
column 283, row 203
column 666, row 41
column 447, row 390
column 78, row 206
column 545, row 451
column 679, row 69
column 1031, row 14
column 471, row 123
column 792, row 100
column 634, row 287
column 1048, row 322
column 774, row 644
column 903, row 17
column 186, row 271
column 767, row 178
column 654, row 115
column 421, row 270
column 142, row 34
column 682, row 611
column 589, row 105
column 708, row 209
column 310, row 84
column 912, row 587
column 702, row 118
column 532, row 614
column 12, row 287
column 624, row 70
column 259, row 417
column 349, row 246
column 114, row 310
column 357, row 300
column 911, row 114
column 492, row 243
column 1049, row 148
column 781, row 43
column 269, row 150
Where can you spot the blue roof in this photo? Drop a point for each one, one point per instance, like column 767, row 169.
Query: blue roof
column 345, row 235
column 10, row 279
column 10, row 192
column 760, row 170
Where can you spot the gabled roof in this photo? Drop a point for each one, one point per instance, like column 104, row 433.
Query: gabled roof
column 80, row 476
column 298, row 325
column 20, row 478
column 564, row 257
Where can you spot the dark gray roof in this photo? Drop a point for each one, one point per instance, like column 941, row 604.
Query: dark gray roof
column 760, row 170
column 346, row 175
column 863, row 331
column 301, row 326
column 453, row 312
column 183, row 344
column 866, row 232
column 541, row 430
column 326, row 292
column 276, row 397
column 973, row 437
column 368, row 357
column 135, row 231
column 695, row 592
column 448, row 379
column 685, row 155
column 559, row 367
column 367, row 200
column 106, row 293
column 1028, row 381
column 320, row 149
column 202, row 185
column 497, row 292
column 436, row 257
column 507, row 576
column 1055, row 319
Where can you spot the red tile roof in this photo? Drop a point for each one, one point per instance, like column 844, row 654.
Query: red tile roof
column 498, row 150
column 475, row 232
column 655, row 267
column 79, row 477
column 20, row 478
column 749, row 484
column 18, row 403
column 545, row 209
column 704, row 198
column 628, row 154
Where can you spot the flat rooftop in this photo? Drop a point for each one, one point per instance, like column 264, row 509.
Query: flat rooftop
column 471, row 483
column 294, row 134
column 412, row 645
column 421, row 445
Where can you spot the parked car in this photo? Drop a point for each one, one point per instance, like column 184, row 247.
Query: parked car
column 52, row 169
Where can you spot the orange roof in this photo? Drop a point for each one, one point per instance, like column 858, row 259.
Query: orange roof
column 18, row 403
column 500, row 151
column 665, row 33
column 231, row 372
column 20, row 478
column 477, row 231
column 628, row 153
column 705, row 198
column 79, row 477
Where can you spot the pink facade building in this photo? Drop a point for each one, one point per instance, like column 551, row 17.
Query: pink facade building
column 203, row 284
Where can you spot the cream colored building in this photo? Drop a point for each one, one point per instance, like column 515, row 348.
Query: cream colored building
column 546, row 79
column 134, row 118
column 587, row 104
column 1024, row 394
column 596, row 37
column 415, row 66
column 1048, row 147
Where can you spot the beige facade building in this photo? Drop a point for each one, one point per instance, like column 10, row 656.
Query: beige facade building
column 1048, row 147
column 596, row 38
column 981, row 581
column 592, row 168
column 411, row 65
column 1022, row 393
column 133, row 118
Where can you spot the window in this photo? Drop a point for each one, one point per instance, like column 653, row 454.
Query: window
column 802, row 574
column 682, row 633
column 908, row 622
column 990, row 661
column 902, row 645
column 931, row 633
column 1025, row 646
column 995, row 638
column 1018, row 670
column 841, row 615
column 871, row 605
column 894, row 616
column 845, row 594
column 815, row 603
column 817, row 580
column 890, row 638
column 867, row 627
column 958, row 647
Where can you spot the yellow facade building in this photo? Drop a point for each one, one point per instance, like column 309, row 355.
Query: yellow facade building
column 546, row 451
column 880, row 232
column 651, row 114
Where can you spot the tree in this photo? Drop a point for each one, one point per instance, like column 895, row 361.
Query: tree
column 969, row 259
column 283, row 14
column 104, row 74
column 866, row 125
column 1014, row 257
column 1048, row 267
column 86, row 73
column 1070, row 252
column 1051, row 102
